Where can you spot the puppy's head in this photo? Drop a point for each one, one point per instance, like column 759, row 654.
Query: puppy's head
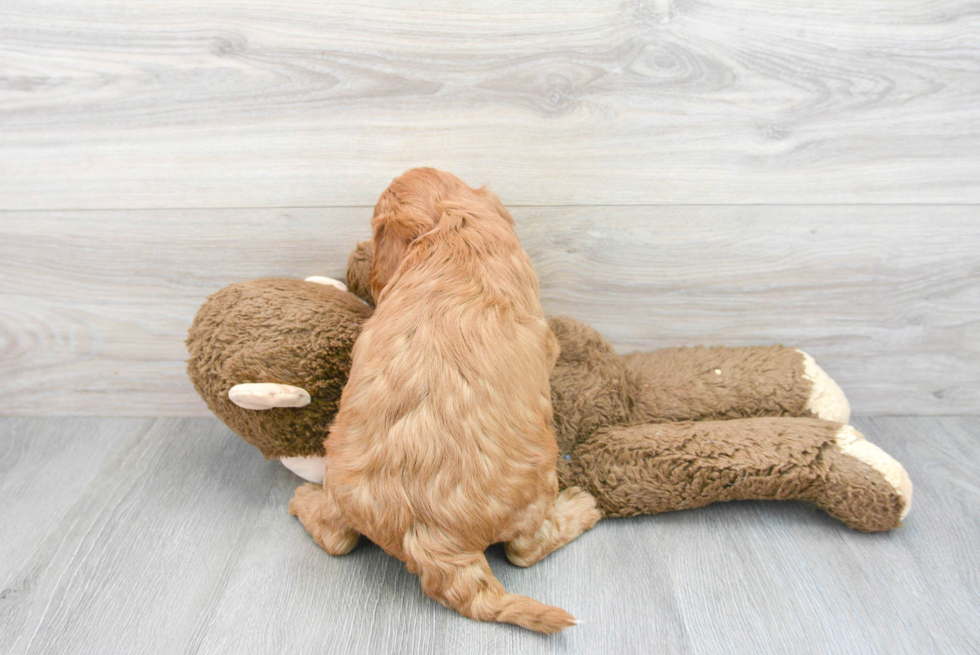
column 410, row 207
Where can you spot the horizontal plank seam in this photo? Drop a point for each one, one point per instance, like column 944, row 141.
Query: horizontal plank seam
column 512, row 205
column 168, row 417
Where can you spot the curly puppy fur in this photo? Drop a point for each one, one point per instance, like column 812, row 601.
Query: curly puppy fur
column 443, row 443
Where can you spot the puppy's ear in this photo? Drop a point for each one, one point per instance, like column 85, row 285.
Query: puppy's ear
column 393, row 232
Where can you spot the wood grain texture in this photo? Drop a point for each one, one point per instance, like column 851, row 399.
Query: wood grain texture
column 172, row 536
column 114, row 104
column 94, row 306
column 135, row 553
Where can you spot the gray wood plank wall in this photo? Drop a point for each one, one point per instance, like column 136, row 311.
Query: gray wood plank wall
column 719, row 172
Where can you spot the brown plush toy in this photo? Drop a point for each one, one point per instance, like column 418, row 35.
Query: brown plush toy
column 644, row 433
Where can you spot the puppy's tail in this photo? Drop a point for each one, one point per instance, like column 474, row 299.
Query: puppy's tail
column 465, row 583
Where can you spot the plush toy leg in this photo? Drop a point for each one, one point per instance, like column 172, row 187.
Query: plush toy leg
column 697, row 384
column 319, row 514
column 653, row 468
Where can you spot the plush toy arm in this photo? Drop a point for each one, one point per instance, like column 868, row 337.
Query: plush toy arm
column 653, row 468
column 681, row 384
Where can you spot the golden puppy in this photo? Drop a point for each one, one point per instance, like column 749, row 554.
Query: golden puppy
column 443, row 442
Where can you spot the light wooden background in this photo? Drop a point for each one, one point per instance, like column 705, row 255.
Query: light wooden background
column 717, row 172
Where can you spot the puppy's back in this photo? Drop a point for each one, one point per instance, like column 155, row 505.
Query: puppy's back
column 443, row 442
column 447, row 413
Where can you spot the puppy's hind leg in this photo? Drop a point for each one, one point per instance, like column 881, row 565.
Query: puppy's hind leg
column 318, row 512
column 573, row 512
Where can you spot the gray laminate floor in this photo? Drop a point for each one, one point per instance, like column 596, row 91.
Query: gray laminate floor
column 171, row 536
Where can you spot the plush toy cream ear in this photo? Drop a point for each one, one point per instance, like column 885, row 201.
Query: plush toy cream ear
column 267, row 395
column 329, row 281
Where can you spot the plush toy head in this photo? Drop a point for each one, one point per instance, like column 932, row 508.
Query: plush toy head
column 276, row 331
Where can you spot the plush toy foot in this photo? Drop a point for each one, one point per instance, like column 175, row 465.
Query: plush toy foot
column 267, row 395
column 865, row 487
column 319, row 514
column 827, row 400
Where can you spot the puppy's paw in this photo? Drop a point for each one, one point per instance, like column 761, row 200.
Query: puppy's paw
column 303, row 499
column 578, row 507
column 320, row 516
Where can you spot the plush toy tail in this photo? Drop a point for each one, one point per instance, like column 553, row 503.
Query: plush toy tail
column 465, row 583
